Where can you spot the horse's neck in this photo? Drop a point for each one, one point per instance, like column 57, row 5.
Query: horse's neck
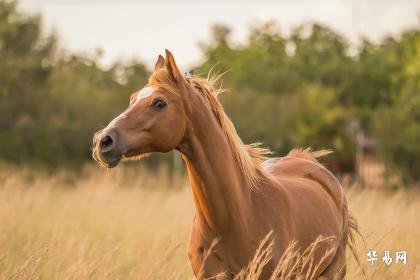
column 220, row 190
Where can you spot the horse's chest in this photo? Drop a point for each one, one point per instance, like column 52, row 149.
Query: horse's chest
column 211, row 255
column 205, row 253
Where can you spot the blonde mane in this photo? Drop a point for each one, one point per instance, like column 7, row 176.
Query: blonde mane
column 249, row 157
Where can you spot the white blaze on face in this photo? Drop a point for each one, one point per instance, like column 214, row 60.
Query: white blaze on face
column 145, row 92
column 142, row 94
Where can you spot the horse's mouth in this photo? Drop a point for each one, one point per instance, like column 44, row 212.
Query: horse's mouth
column 108, row 162
column 113, row 163
column 134, row 156
column 112, row 160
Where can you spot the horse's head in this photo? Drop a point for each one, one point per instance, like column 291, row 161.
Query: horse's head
column 155, row 120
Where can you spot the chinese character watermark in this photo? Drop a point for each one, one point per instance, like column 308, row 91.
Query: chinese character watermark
column 387, row 259
column 401, row 256
column 372, row 256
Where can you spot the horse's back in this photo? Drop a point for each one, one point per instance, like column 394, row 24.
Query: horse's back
column 297, row 168
column 315, row 197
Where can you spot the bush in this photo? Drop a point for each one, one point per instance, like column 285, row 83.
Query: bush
column 398, row 136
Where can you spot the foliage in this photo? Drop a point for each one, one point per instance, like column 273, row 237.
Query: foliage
column 308, row 88
column 300, row 90
column 398, row 135
column 52, row 103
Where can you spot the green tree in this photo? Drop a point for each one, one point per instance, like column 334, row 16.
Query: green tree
column 397, row 126
column 52, row 103
column 398, row 136
column 24, row 69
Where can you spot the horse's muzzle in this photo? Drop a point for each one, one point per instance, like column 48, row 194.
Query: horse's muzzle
column 105, row 149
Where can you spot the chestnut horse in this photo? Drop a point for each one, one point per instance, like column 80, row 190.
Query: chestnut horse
column 239, row 198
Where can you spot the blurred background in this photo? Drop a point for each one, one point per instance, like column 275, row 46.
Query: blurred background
column 328, row 74
column 339, row 75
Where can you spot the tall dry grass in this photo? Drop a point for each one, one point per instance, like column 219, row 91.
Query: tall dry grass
column 130, row 224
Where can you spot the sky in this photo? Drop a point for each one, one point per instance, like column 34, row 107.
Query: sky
column 126, row 29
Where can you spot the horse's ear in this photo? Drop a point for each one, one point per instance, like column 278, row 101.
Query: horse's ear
column 171, row 66
column 159, row 63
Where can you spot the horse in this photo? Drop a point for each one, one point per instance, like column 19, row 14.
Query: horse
column 240, row 194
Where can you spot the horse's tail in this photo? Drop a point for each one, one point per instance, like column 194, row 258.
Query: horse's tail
column 353, row 228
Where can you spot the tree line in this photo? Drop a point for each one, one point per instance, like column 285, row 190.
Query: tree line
column 311, row 88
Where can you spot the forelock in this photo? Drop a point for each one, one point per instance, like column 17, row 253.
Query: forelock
column 162, row 79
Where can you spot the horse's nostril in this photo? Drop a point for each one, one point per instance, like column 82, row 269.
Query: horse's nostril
column 106, row 142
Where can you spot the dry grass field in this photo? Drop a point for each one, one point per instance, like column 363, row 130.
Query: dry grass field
column 130, row 224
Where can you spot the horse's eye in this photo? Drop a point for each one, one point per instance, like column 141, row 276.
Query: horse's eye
column 158, row 104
